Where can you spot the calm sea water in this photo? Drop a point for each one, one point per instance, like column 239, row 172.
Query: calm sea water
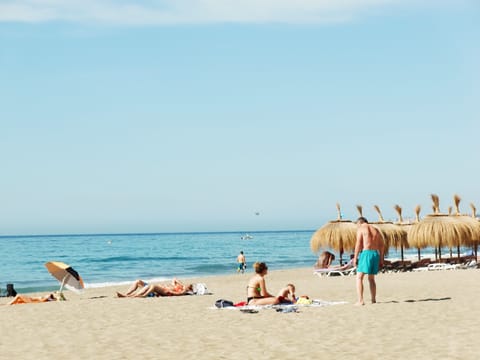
column 104, row 260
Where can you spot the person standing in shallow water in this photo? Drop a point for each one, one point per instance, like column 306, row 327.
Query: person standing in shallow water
column 368, row 257
column 242, row 262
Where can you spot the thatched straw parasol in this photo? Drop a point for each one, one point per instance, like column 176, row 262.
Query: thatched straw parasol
column 339, row 235
column 393, row 235
column 405, row 227
column 438, row 230
column 469, row 221
column 417, row 220
column 382, row 233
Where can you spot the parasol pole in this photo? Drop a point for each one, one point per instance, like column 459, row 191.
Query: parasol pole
column 398, row 209
column 417, row 220
column 64, row 280
column 456, row 201
column 339, row 217
column 474, row 215
column 436, row 210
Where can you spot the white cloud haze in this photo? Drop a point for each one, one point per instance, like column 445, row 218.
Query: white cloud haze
column 166, row 12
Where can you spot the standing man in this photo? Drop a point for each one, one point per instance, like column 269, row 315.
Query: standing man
column 242, row 262
column 368, row 257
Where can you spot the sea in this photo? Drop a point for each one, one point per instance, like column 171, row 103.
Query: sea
column 117, row 259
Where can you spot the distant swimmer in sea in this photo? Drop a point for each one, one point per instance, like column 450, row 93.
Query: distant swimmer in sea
column 242, row 263
column 141, row 289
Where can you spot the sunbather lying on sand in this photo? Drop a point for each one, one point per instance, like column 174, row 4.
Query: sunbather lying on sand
column 23, row 299
column 141, row 289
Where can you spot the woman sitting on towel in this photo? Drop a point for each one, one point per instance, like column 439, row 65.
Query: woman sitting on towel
column 141, row 289
column 257, row 293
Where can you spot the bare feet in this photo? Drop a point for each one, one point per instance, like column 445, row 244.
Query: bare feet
column 358, row 303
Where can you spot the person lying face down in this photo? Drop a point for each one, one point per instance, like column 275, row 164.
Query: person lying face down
column 24, row 299
column 141, row 289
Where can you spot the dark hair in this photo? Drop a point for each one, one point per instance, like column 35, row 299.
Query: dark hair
column 260, row 267
column 241, row 252
column 362, row 219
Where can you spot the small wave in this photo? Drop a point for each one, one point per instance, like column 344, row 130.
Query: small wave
column 135, row 259
column 123, row 282
column 210, row 268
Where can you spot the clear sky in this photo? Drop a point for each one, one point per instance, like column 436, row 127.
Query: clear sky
column 192, row 115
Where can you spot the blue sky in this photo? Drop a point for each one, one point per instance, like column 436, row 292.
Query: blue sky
column 189, row 115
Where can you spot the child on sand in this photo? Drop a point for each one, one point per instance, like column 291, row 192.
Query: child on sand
column 287, row 294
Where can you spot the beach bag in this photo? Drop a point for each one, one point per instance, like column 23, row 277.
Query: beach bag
column 11, row 291
column 223, row 303
column 200, row 289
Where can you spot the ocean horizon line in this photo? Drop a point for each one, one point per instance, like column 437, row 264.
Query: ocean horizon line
column 152, row 233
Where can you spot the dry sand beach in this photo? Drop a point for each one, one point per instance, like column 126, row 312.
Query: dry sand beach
column 432, row 315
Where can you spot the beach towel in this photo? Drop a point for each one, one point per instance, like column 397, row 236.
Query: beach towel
column 284, row 307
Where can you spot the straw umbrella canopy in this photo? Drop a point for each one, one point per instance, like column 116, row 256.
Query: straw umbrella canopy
column 381, row 230
column 405, row 227
column 339, row 235
column 469, row 221
column 410, row 225
column 438, row 230
column 393, row 235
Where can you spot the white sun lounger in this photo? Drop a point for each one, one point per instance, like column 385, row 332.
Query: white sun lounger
column 438, row 266
column 333, row 272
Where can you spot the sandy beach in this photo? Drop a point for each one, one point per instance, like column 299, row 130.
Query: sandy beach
column 429, row 314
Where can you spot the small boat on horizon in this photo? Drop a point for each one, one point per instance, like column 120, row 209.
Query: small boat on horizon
column 246, row 237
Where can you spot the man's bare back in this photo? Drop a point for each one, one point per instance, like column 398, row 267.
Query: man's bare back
column 368, row 238
column 370, row 245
